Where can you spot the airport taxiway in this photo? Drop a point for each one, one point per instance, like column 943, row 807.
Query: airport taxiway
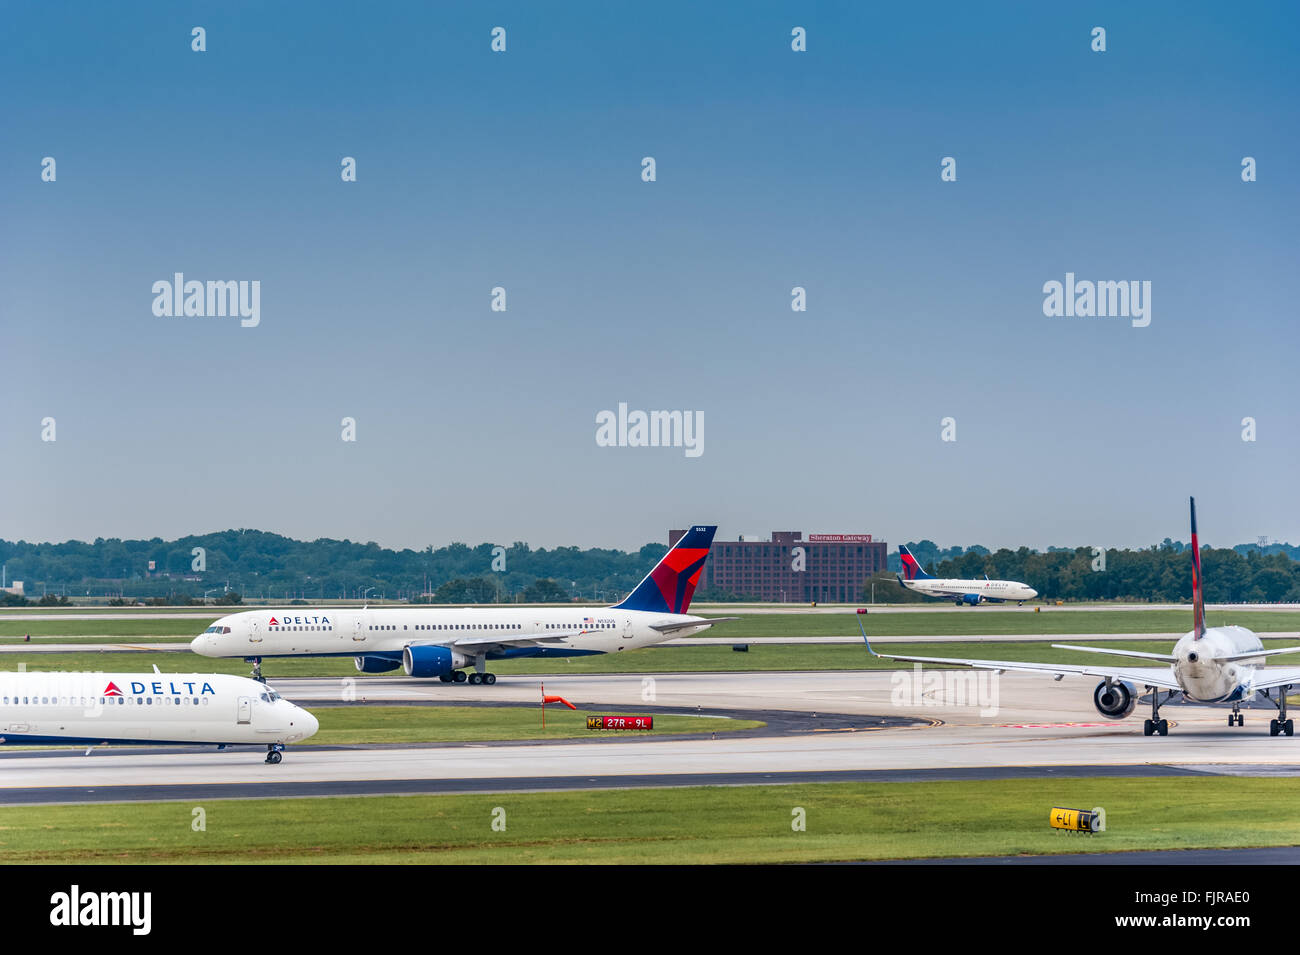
column 1018, row 725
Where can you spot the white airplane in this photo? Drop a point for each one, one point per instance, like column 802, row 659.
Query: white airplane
column 1208, row 665
column 437, row 642
column 968, row 592
column 153, row 708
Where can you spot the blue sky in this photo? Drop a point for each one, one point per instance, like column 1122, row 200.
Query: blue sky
column 774, row 169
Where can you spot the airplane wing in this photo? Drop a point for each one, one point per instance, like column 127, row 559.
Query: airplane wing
column 1162, row 677
column 476, row 644
column 1276, row 676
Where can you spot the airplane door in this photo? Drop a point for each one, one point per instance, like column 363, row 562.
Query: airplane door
column 357, row 632
column 245, row 712
column 255, row 632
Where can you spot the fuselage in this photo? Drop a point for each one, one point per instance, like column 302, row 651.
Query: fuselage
column 94, row 708
column 384, row 632
column 971, row 591
column 1199, row 669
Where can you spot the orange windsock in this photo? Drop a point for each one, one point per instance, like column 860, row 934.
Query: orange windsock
column 555, row 699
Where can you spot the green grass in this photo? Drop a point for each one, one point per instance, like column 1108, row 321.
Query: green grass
column 467, row 724
column 649, row 660
column 110, row 629
column 844, row 821
column 983, row 621
column 980, row 621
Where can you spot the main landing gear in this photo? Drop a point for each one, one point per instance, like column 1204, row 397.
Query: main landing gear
column 275, row 753
column 480, row 676
column 460, row 676
column 1281, row 726
column 1155, row 726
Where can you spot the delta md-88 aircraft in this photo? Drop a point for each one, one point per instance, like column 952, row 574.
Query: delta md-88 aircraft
column 1207, row 665
column 153, row 708
column 961, row 592
column 442, row 643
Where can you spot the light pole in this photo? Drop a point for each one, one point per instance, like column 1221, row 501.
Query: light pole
column 366, row 594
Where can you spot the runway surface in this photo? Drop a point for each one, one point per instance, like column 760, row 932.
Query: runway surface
column 1018, row 724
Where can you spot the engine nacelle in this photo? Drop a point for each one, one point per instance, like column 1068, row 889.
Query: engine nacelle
column 972, row 599
column 376, row 664
column 432, row 661
column 1114, row 700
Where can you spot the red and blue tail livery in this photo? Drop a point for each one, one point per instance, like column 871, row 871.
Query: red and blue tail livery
column 911, row 567
column 669, row 587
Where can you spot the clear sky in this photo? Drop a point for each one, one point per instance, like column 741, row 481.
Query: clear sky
column 774, row 168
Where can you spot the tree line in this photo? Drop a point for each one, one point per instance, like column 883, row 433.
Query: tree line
column 244, row 564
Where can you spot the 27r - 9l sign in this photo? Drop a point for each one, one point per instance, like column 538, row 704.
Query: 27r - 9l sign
column 620, row 722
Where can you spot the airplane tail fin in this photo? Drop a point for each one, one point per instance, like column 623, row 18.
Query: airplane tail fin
column 911, row 566
column 669, row 587
column 1198, row 594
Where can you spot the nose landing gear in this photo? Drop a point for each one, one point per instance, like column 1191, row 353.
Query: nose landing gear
column 275, row 753
column 1235, row 718
column 257, row 670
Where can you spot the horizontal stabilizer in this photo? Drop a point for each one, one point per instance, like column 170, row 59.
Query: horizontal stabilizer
column 1256, row 653
column 1166, row 657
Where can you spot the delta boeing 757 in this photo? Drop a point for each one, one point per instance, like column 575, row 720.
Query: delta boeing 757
column 442, row 643
column 1207, row 665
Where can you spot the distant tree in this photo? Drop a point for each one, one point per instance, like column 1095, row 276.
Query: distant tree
column 52, row 600
column 545, row 591
column 232, row 597
column 475, row 590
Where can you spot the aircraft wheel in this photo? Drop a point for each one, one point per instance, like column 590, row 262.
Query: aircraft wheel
column 1148, row 727
column 1288, row 727
column 476, row 678
column 273, row 757
column 445, row 677
column 460, row 676
column 489, row 678
column 1274, row 727
column 1162, row 728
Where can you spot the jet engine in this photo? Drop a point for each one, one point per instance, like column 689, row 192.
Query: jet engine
column 972, row 599
column 1114, row 700
column 376, row 664
column 432, row 661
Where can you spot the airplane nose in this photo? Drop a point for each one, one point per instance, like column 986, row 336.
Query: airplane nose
column 199, row 644
column 306, row 722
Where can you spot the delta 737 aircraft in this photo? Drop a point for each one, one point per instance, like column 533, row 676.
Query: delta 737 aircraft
column 435, row 642
column 968, row 592
column 1208, row 665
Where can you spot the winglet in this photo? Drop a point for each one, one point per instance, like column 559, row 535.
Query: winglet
column 1198, row 593
column 862, row 612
